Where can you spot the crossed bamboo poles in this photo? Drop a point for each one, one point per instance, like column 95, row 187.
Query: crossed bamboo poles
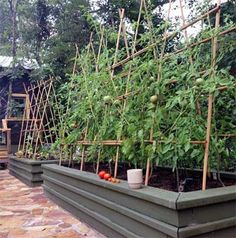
column 133, row 54
column 36, row 127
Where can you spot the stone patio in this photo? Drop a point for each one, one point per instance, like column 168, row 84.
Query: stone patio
column 26, row 213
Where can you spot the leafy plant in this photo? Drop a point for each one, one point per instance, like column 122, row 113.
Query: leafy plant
column 110, row 108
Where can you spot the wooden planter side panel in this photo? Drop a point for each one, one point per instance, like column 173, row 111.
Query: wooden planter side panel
column 217, row 229
column 100, row 223
column 207, row 206
column 116, row 197
column 117, row 211
column 107, row 206
column 28, row 171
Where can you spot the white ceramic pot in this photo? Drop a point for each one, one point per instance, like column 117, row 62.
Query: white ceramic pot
column 135, row 178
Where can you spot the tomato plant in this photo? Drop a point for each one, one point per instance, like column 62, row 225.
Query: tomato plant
column 167, row 96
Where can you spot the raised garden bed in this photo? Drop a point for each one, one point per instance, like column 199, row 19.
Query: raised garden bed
column 164, row 177
column 27, row 170
column 117, row 211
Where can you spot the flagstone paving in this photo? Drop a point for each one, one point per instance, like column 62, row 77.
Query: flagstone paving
column 26, row 213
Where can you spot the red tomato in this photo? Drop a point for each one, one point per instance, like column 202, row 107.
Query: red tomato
column 106, row 176
column 101, row 174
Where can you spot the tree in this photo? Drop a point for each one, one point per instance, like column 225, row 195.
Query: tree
column 5, row 28
column 108, row 10
column 35, row 28
column 68, row 27
column 13, row 9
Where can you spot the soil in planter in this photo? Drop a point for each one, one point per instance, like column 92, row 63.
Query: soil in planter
column 164, row 178
column 39, row 158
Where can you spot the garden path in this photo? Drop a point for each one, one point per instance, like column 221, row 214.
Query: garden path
column 26, row 213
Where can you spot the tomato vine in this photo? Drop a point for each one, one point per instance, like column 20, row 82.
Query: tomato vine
column 177, row 117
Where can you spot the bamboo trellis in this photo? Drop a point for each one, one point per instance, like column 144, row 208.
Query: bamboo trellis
column 152, row 47
column 39, row 128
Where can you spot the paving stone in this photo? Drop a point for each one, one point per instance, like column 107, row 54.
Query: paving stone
column 65, row 225
column 5, row 213
column 26, row 213
column 68, row 234
column 16, row 232
column 37, row 211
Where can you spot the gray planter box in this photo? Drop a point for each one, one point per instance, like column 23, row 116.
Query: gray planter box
column 28, row 171
column 117, row 211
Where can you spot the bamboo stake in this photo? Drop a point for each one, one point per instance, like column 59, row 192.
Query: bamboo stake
column 148, row 165
column 121, row 14
column 83, row 150
column 101, row 43
column 228, row 31
column 99, row 49
column 150, row 25
column 47, row 123
column 137, row 27
column 25, row 134
column 119, row 142
column 39, row 130
column 22, row 124
column 210, row 102
column 98, row 161
column 208, row 135
column 52, row 119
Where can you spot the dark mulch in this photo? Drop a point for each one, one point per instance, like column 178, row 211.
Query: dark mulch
column 165, row 178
